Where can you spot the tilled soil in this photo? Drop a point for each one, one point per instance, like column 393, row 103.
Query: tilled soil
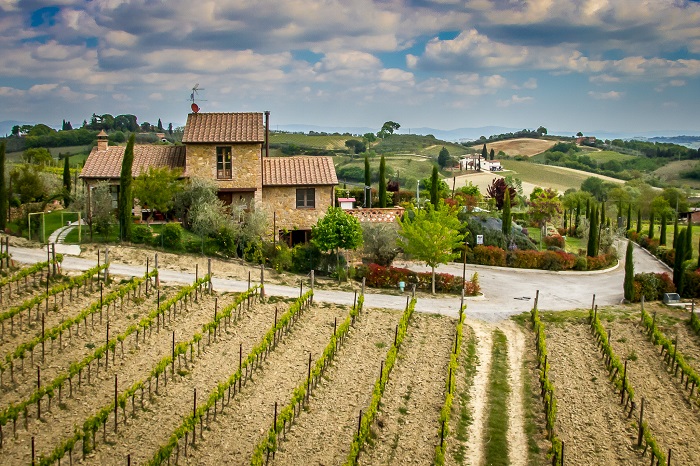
column 462, row 417
column 322, row 434
column 75, row 347
column 673, row 420
column 586, row 403
column 407, row 424
column 136, row 364
column 252, row 410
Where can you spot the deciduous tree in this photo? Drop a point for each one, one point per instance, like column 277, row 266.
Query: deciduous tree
column 335, row 231
column 431, row 235
column 156, row 189
column 497, row 191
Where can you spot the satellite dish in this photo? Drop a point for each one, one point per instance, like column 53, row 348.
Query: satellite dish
column 195, row 108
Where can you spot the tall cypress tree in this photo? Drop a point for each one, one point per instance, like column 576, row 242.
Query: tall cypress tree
column 588, row 209
column 126, row 198
column 602, row 213
column 566, row 217
column 639, row 220
column 592, row 246
column 506, row 218
column 578, row 214
column 3, row 189
column 628, row 285
column 368, row 184
column 689, row 240
column 484, row 155
column 675, row 228
column 492, row 154
column 629, row 217
column 651, row 225
column 382, row 183
column 434, row 184
column 662, row 233
column 66, row 180
column 678, row 262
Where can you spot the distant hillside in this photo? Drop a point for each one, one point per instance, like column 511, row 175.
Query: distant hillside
column 688, row 141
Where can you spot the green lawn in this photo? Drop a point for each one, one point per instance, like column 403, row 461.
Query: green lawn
column 318, row 142
column 608, row 155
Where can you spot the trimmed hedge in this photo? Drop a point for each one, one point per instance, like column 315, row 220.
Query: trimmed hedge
column 529, row 259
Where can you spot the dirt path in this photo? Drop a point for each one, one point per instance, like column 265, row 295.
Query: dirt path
column 672, row 419
column 462, row 417
column 586, row 403
column 407, row 425
column 136, row 365
column 517, row 440
column 252, row 411
column 479, row 392
column 323, row 434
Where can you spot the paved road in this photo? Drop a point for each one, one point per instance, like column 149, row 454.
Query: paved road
column 506, row 291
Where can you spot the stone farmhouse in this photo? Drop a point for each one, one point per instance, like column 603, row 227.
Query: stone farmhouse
column 232, row 149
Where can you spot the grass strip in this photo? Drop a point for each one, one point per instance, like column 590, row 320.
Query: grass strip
column 361, row 436
column 496, row 450
column 93, row 423
column 288, row 414
column 253, row 360
column 450, row 383
column 621, row 383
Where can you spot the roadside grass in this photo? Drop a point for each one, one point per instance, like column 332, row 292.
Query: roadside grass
column 532, row 421
column 496, row 448
column 465, row 418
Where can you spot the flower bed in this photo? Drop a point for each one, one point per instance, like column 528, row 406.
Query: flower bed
column 389, row 277
column 529, row 259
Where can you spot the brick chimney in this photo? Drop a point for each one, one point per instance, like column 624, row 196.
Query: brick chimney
column 102, row 141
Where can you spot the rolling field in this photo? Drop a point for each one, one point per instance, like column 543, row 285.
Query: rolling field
column 671, row 173
column 523, row 146
column 559, row 178
column 318, row 142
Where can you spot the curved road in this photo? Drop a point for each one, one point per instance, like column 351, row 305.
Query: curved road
column 506, row 291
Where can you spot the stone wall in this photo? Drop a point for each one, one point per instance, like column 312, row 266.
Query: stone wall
column 246, row 169
column 282, row 201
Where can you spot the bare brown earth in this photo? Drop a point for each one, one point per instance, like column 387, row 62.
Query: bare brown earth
column 672, row 418
column 407, row 425
column 586, row 403
column 516, row 429
column 522, row 146
column 323, row 434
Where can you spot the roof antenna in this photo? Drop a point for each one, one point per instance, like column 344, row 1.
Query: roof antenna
column 194, row 95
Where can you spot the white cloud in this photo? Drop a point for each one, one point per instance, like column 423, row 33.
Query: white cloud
column 603, row 79
column 610, row 95
column 530, row 84
column 156, row 96
column 514, row 100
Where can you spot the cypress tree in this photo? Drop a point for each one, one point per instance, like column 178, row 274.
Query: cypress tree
column 651, row 225
column 492, row 154
column 628, row 285
column 639, row 220
column 484, row 155
column 592, row 234
column 66, row 180
column 578, row 214
column 126, row 199
column 675, row 228
column 506, row 218
column 3, row 189
column 689, row 241
column 434, row 183
column 662, row 233
column 566, row 215
column 629, row 217
column 588, row 209
column 602, row 213
column 678, row 262
column 382, row 182
column 368, row 184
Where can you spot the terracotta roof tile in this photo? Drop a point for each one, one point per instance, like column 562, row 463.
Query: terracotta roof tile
column 224, row 128
column 108, row 163
column 295, row 171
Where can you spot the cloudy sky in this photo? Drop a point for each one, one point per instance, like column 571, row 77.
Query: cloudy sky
column 623, row 65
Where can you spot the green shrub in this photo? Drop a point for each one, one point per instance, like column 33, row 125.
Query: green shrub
column 581, row 263
column 305, row 257
column 278, row 256
column 141, row 234
column 171, row 236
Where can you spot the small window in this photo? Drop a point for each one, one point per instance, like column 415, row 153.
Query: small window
column 306, row 198
column 223, row 163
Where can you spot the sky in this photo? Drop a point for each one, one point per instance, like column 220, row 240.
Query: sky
column 625, row 65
